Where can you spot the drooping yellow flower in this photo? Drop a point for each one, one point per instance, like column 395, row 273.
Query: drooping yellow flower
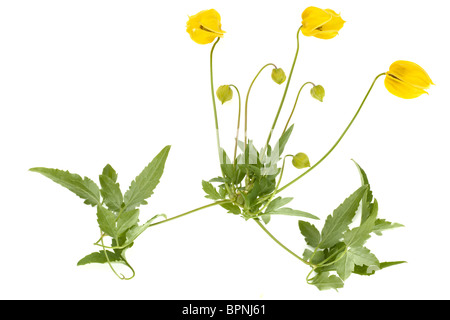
column 205, row 26
column 321, row 23
column 407, row 80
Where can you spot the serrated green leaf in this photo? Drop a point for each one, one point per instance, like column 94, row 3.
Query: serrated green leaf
column 359, row 235
column 111, row 194
column 106, row 221
column 383, row 225
column 325, row 281
column 366, row 271
column 367, row 199
column 210, row 191
column 345, row 266
column 291, row 212
column 355, row 257
column 337, row 223
column 144, row 184
column 136, row 231
column 100, row 257
column 278, row 203
column 109, row 172
column 310, row 232
column 85, row 188
column 127, row 220
column 231, row 208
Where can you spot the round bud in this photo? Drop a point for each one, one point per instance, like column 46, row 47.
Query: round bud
column 318, row 92
column 224, row 93
column 300, row 161
column 278, row 75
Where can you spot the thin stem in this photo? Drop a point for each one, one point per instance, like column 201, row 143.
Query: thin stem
column 191, row 211
column 285, row 90
column 277, row 186
column 214, row 97
column 246, row 101
column 170, row 219
column 121, row 276
column 295, row 104
column 238, row 123
column 337, row 142
column 282, row 245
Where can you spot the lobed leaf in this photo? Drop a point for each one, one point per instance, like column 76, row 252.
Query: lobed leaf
column 144, row 184
column 337, row 223
column 85, row 188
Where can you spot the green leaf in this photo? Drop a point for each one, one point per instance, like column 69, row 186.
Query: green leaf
column 210, row 191
column 366, row 271
column 325, row 281
column 136, row 231
column 278, row 149
column 100, row 257
column 310, row 232
column 231, row 208
column 366, row 200
column 144, row 184
column 359, row 235
column 355, row 256
column 278, row 203
column 337, row 223
column 106, row 221
column 127, row 220
column 291, row 212
column 382, row 225
column 111, row 194
column 84, row 188
column 110, row 172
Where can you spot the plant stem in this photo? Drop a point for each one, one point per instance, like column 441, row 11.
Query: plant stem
column 337, row 142
column 282, row 245
column 170, row 219
column 295, row 104
column 214, row 98
column 238, row 123
column 191, row 211
column 246, row 102
column 285, row 90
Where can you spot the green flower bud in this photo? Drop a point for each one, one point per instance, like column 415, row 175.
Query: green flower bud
column 278, row 75
column 224, row 93
column 300, row 161
column 318, row 92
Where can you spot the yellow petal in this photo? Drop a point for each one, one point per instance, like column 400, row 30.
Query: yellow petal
column 205, row 26
column 402, row 89
column 322, row 24
column 313, row 18
column 411, row 73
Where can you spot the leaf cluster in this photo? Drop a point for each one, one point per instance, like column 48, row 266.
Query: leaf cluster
column 250, row 182
column 117, row 213
column 337, row 251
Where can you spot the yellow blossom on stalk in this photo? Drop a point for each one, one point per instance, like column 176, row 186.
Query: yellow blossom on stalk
column 407, row 80
column 205, row 26
column 321, row 23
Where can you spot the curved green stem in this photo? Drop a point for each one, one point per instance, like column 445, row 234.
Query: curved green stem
column 295, row 104
column 238, row 123
column 246, row 101
column 167, row 220
column 214, row 98
column 280, row 244
column 286, row 89
column 337, row 142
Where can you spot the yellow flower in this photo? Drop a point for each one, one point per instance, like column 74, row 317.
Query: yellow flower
column 322, row 24
column 407, row 80
column 205, row 26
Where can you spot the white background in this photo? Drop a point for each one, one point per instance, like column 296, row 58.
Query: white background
column 86, row 83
